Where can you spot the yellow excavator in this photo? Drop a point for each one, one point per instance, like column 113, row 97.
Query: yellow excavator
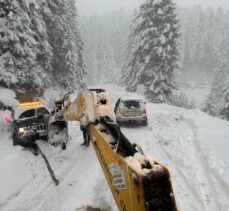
column 137, row 182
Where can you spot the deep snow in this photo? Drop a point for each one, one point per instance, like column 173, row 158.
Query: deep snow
column 190, row 143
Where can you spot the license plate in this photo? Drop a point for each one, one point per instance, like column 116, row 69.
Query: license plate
column 132, row 113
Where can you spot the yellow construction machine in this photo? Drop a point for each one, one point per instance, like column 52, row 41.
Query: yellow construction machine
column 137, row 182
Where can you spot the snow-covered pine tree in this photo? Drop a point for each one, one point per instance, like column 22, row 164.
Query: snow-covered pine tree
column 155, row 56
column 38, row 11
column 105, row 37
column 129, row 67
column 72, row 49
column 20, row 49
column 202, row 34
column 224, row 113
column 192, row 104
column 68, row 65
column 217, row 102
column 55, row 24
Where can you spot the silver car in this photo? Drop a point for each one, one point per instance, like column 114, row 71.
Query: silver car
column 131, row 111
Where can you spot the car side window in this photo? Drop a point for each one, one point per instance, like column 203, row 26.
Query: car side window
column 27, row 114
column 42, row 111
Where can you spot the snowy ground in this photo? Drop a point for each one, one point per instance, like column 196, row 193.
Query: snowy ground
column 193, row 145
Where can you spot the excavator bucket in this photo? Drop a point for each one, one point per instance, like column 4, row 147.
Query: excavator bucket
column 58, row 127
column 58, row 133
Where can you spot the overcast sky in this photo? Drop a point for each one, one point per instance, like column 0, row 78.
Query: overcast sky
column 102, row 6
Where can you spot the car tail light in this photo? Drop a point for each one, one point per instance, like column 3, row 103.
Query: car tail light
column 6, row 118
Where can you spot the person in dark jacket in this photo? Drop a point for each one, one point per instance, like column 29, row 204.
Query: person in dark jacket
column 86, row 136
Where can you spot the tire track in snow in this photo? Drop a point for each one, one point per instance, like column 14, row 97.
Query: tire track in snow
column 151, row 136
column 180, row 154
column 159, row 125
column 16, row 193
column 46, row 186
column 182, row 175
column 210, row 173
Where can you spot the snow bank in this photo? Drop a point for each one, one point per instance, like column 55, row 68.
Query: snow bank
column 194, row 146
column 7, row 96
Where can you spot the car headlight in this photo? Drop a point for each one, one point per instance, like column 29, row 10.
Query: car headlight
column 23, row 130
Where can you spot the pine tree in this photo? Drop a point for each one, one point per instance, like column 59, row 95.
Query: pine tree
column 217, row 102
column 192, row 104
column 105, row 37
column 72, row 49
column 154, row 60
column 20, row 46
column 224, row 67
column 225, row 108
column 55, row 24
column 130, row 66
column 40, row 43
column 37, row 11
column 67, row 45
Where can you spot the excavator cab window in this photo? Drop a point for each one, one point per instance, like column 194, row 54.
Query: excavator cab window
column 102, row 102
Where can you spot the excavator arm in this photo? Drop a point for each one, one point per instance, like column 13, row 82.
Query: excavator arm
column 137, row 182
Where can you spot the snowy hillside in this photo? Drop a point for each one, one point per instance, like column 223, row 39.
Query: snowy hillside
column 192, row 144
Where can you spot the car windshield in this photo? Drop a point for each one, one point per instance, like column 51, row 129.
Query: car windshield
column 27, row 114
column 42, row 111
column 132, row 104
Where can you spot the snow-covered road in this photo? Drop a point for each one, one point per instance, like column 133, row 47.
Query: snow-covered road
column 193, row 145
column 174, row 138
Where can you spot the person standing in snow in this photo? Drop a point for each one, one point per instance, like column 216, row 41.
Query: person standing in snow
column 86, row 136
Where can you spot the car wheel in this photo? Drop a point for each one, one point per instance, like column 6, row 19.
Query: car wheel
column 45, row 138
column 119, row 123
column 145, row 123
column 63, row 146
column 15, row 139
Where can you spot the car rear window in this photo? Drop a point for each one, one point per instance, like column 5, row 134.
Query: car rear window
column 27, row 114
column 42, row 111
column 132, row 104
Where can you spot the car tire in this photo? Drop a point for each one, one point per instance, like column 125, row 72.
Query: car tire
column 45, row 138
column 64, row 146
column 145, row 123
column 15, row 139
column 119, row 123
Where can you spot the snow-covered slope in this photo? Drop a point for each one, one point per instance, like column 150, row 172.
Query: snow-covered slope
column 192, row 144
